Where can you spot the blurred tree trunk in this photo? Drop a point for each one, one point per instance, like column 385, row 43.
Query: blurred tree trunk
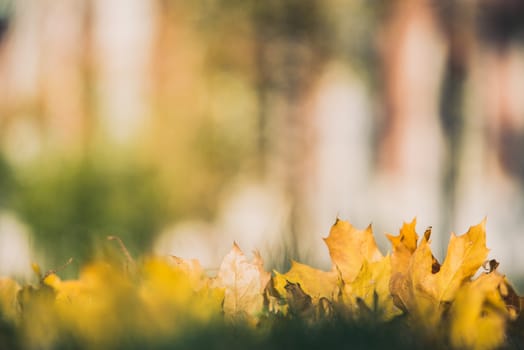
column 411, row 147
column 290, row 57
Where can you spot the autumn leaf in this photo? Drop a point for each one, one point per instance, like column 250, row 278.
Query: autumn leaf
column 371, row 286
column 85, row 306
column 465, row 256
column 192, row 269
column 349, row 247
column 38, row 317
column 300, row 303
column 166, row 296
column 425, row 292
column 165, row 284
column 479, row 314
column 175, row 292
column 513, row 301
column 67, row 291
column 243, row 283
column 403, row 247
column 358, row 267
column 9, row 289
column 316, row 283
column 264, row 275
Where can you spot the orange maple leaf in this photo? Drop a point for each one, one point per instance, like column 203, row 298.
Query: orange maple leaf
column 349, row 247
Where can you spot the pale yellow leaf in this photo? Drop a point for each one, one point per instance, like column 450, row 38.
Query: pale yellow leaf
column 192, row 269
column 243, row 283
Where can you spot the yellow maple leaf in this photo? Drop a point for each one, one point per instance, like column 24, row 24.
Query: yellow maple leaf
column 426, row 291
column 465, row 256
column 243, row 283
column 175, row 292
column 38, row 321
column 316, row 283
column 479, row 314
column 403, row 246
column 88, row 307
column 358, row 268
column 65, row 290
column 513, row 301
column 9, row 289
column 349, row 247
column 371, row 286
column 192, row 269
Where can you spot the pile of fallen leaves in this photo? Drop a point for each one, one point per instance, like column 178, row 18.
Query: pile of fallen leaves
column 406, row 299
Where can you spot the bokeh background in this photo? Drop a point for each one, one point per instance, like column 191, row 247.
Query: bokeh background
column 181, row 126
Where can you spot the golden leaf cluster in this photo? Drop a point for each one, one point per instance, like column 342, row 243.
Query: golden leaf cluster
column 464, row 299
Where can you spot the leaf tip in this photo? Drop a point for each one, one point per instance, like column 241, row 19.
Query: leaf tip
column 427, row 233
column 236, row 248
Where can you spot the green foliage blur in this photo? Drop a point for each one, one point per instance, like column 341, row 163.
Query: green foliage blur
column 75, row 204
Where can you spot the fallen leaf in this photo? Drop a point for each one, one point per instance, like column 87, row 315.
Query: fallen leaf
column 425, row 292
column 192, row 269
column 314, row 282
column 349, row 247
column 478, row 315
column 300, row 303
column 371, row 286
column 465, row 256
column 403, row 247
column 9, row 289
column 175, row 292
column 243, row 283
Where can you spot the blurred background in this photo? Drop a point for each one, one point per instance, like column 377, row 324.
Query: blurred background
column 182, row 126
